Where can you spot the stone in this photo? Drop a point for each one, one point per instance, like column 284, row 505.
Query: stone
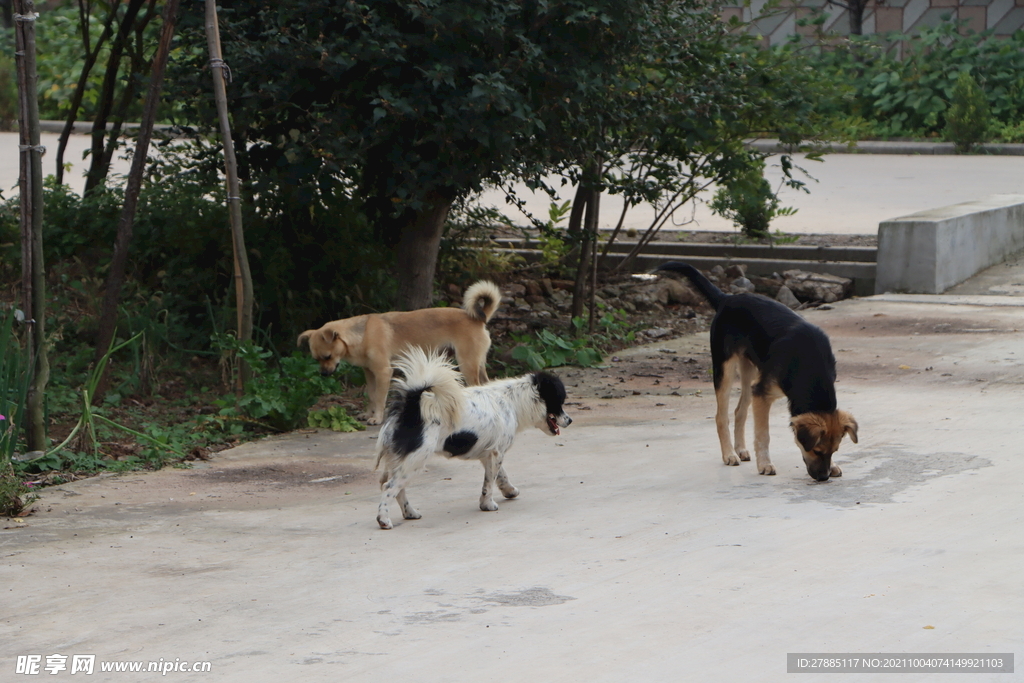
column 817, row 286
column 658, row 332
column 545, row 284
column 533, row 288
column 517, row 289
column 768, row 286
column 736, row 270
column 672, row 291
column 785, row 296
column 741, row 285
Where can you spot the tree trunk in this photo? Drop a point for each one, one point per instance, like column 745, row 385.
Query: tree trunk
column 856, row 12
column 587, row 241
column 99, row 164
column 91, row 55
column 416, row 255
column 31, row 190
column 243, row 276
column 115, row 277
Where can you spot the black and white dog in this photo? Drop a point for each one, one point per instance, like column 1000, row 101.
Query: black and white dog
column 432, row 412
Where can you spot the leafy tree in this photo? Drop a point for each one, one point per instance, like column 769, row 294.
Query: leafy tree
column 417, row 103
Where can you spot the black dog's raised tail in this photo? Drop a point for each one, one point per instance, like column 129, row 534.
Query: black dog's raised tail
column 713, row 294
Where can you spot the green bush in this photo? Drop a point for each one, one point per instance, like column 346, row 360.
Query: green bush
column 968, row 119
column 749, row 201
column 901, row 85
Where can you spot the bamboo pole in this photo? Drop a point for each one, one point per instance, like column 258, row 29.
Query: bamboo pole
column 31, row 190
column 243, row 276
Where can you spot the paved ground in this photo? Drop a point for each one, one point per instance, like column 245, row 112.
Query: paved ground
column 632, row 553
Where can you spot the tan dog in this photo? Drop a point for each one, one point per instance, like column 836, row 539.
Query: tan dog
column 372, row 341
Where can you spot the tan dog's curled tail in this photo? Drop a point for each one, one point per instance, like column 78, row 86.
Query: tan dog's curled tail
column 481, row 300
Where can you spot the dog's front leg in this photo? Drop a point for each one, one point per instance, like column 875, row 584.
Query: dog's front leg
column 378, row 379
column 722, row 391
column 504, row 485
column 747, row 374
column 762, row 406
column 491, row 465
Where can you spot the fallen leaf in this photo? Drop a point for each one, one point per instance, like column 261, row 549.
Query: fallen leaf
column 930, row 627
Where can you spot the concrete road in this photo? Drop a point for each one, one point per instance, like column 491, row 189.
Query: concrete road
column 632, row 553
column 849, row 193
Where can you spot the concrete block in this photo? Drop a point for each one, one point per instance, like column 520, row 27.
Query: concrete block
column 930, row 251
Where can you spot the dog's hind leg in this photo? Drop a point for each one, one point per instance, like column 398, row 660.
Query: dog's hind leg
column 491, row 461
column 723, row 385
column 393, row 483
column 473, row 370
column 748, row 373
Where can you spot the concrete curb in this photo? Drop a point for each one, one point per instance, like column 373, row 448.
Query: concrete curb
column 771, row 146
column 766, row 145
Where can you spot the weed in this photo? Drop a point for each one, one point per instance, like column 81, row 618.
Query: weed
column 278, row 396
column 336, row 419
column 549, row 350
column 12, row 490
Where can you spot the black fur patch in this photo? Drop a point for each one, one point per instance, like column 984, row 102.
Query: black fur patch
column 551, row 391
column 408, row 434
column 460, row 443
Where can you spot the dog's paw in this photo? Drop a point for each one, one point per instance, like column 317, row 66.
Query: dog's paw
column 743, row 453
column 766, row 468
column 835, row 471
column 488, row 505
column 371, row 420
column 385, row 522
column 510, row 492
column 411, row 513
column 730, row 460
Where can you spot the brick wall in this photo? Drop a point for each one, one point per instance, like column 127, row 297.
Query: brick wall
column 907, row 16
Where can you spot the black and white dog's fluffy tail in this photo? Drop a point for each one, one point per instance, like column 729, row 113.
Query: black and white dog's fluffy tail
column 713, row 294
column 427, row 398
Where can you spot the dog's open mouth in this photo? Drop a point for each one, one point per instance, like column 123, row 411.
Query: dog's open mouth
column 553, row 424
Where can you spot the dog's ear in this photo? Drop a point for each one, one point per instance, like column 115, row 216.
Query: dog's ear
column 849, row 425
column 807, row 430
column 304, row 336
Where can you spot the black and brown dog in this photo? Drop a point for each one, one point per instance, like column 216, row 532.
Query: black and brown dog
column 776, row 353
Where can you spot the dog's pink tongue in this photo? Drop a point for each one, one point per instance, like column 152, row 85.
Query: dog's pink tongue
column 554, row 425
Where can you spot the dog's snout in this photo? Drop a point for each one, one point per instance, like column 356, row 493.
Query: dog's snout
column 568, row 420
column 326, row 373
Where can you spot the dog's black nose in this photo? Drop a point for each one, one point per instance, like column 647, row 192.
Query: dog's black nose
column 568, row 420
column 327, row 373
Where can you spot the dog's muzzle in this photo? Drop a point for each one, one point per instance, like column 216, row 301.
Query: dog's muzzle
column 553, row 421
